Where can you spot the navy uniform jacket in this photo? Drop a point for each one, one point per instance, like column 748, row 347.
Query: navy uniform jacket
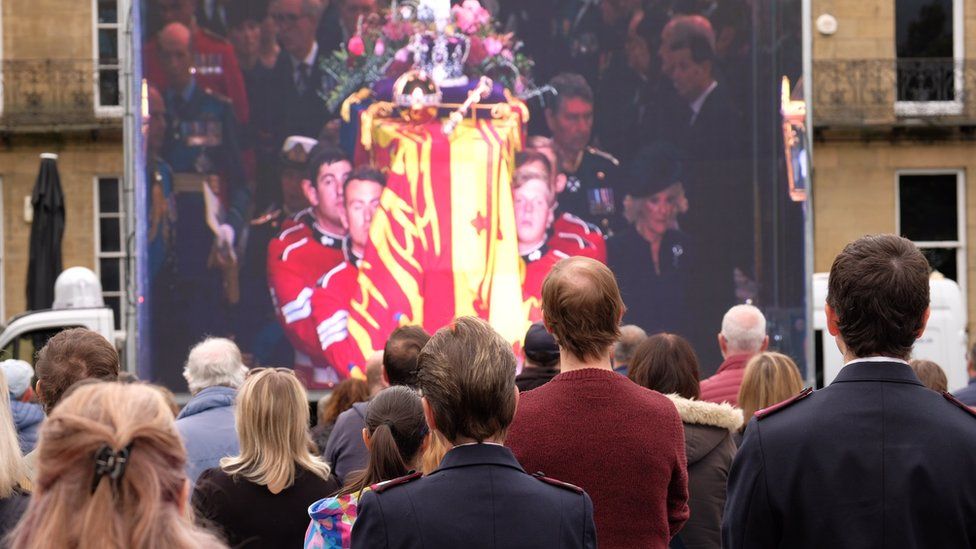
column 875, row 460
column 479, row 497
column 592, row 189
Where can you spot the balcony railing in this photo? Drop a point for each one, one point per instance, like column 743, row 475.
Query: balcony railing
column 52, row 94
column 866, row 92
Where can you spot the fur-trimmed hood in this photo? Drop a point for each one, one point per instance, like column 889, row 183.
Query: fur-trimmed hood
column 706, row 425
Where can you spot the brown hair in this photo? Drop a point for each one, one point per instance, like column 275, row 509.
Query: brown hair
column 769, row 378
column 143, row 509
column 272, row 424
column 397, row 429
column 581, row 307
column 930, row 374
column 70, row 356
column 667, row 364
column 879, row 290
column 345, row 394
column 400, row 355
column 567, row 86
column 467, row 375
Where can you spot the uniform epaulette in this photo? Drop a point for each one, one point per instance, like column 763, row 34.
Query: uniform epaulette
column 387, row 484
column 604, row 154
column 948, row 396
column 557, row 483
column 770, row 410
column 219, row 96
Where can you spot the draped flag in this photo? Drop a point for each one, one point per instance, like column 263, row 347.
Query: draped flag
column 443, row 242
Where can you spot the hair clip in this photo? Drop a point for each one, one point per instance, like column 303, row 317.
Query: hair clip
column 111, row 463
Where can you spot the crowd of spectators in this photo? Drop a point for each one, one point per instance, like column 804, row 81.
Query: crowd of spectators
column 441, row 447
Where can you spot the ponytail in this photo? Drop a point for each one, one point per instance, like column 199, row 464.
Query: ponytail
column 397, row 429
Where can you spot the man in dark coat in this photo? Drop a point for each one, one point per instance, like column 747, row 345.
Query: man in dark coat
column 289, row 91
column 479, row 496
column 875, row 459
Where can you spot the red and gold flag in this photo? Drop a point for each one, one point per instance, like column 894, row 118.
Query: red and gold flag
column 443, row 243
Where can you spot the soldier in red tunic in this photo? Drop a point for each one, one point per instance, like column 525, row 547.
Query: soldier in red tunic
column 571, row 235
column 338, row 356
column 309, row 246
column 215, row 63
column 534, row 201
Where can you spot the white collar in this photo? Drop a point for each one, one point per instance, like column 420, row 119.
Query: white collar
column 475, row 443
column 309, row 59
column 877, row 359
column 696, row 105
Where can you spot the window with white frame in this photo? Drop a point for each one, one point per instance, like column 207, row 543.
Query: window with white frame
column 110, row 243
column 108, row 64
column 931, row 213
column 929, row 47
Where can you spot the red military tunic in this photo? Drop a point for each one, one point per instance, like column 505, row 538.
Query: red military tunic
column 573, row 236
column 225, row 78
column 297, row 260
column 338, row 357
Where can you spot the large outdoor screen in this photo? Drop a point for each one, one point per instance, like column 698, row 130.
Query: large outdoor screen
column 318, row 173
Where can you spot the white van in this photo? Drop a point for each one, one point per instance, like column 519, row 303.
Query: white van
column 943, row 342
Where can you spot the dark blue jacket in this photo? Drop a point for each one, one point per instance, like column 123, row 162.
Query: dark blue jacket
column 207, row 427
column 479, row 497
column 875, row 460
column 27, row 418
column 968, row 393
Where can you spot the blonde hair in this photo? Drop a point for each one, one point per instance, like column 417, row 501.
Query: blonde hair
column 769, row 378
column 13, row 473
column 272, row 423
column 144, row 508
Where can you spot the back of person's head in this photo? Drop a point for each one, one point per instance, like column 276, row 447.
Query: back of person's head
column 400, row 355
column 374, row 373
column 744, row 330
column 110, row 473
column 540, row 348
column 272, row 423
column 769, row 378
column 582, row 307
column 12, row 470
column 70, row 356
column 878, row 291
column 346, row 393
column 397, row 430
column 667, row 364
column 930, row 374
column 630, row 337
column 215, row 361
column 467, row 377
column 18, row 374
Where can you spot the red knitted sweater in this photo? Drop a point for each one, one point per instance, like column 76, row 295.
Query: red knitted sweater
column 620, row 442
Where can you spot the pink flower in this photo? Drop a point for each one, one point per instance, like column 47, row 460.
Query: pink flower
column 402, row 55
column 470, row 16
column 379, row 48
column 356, row 46
column 493, row 46
column 507, row 54
column 397, row 30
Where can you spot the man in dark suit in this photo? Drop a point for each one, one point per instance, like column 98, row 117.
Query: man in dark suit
column 289, row 98
column 479, row 496
column 875, row 459
column 720, row 212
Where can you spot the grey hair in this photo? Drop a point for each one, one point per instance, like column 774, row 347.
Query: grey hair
column 744, row 329
column 630, row 337
column 214, row 361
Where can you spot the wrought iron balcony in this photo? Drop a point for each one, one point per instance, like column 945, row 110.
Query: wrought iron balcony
column 56, row 94
column 885, row 92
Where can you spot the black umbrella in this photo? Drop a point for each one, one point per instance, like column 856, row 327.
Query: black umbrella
column 47, row 230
